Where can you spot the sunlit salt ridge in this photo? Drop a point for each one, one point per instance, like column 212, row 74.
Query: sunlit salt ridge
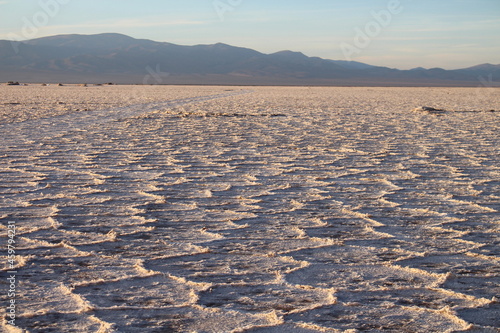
column 284, row 209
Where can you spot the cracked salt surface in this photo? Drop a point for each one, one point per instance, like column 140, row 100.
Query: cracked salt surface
column 200, row 209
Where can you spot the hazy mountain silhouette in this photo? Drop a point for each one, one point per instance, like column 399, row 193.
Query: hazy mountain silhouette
column 107, row 57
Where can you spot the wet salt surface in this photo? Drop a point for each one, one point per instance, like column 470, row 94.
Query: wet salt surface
column 271, row 210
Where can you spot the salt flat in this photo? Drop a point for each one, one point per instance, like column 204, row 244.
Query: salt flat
column 262, row 209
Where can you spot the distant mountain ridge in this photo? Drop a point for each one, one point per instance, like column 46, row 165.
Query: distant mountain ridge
column 107, row 57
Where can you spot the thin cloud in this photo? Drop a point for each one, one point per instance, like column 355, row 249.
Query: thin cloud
column 129, row 24
column 464, row 26
column 110, row 26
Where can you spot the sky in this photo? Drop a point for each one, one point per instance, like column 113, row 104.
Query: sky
column 400, row 34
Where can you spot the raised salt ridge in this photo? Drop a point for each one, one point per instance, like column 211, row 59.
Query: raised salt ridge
column 198, row 209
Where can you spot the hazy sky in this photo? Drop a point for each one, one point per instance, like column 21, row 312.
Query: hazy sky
column 394, row 33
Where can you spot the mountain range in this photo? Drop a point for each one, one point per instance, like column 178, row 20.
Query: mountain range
column 122, row 59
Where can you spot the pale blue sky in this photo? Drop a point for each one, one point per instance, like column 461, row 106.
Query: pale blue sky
column 428, row 33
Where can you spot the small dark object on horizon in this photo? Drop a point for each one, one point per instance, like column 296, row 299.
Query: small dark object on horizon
column 428, row 110
column 12, row 83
